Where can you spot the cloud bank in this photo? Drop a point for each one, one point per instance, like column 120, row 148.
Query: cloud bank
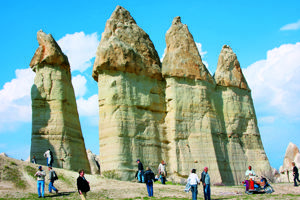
column 275, row 81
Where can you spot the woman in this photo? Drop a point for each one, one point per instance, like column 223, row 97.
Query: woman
column 194, row 181
column 82, row 185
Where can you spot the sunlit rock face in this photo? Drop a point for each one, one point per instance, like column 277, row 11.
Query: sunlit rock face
column 55, row 121
column 131, row 97
column 238, row 144
column 191, row 116
column 292, row 154
column 175, row 111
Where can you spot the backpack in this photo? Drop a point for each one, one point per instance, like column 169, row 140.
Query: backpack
column 55, row 177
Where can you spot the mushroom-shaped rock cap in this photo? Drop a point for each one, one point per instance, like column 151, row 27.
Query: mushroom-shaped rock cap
column 48, row 52
column 229, row 72
column 124, row 46
column 182, row 58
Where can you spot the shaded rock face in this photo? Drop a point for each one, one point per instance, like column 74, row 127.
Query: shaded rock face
column 94, row 162
column 229, row 72
column 131, row 97
column 180, row 113
column 55, row 121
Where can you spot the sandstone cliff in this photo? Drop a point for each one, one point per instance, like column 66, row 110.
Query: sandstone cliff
column 55, row 121
column 131, row 96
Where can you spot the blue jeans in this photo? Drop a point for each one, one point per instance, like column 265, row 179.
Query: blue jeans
column 51, row 187
column 194, row 191
column 150, row 188
column 141, row 176
column 207, row 192
column 41, row 185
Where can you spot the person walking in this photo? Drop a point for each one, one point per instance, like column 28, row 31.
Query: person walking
column 193, row 179
column 140, row 171
column 162, row 172
column 52, row 178
column 40, row 181
column 149, row 177
column 82, row 185
column 205, row 179
column 295, row 174
column 48, row 154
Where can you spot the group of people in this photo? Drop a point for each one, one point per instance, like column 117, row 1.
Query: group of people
column 148, row 176
column 41, row 174
column 193, row 182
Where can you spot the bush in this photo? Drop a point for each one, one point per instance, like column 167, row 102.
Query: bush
column 111, row 174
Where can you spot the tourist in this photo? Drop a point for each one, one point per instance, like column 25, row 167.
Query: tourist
column 193, row 180
column 33, row 160
column 52, row 178
column 40, row 181
column 149, row 177
column 205, row 179
column 250, row 172
column 48, row 154
column 162, row 172
column 295, row 174
column 140, row 171
column 82, row 185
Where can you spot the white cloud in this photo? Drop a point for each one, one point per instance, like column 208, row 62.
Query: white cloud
column 267, row 120
column 15, row 99
column 202, row 54
column 80, row 49
column 292, row 26
column 89, row 107
column 275, row 81
column 79, row 84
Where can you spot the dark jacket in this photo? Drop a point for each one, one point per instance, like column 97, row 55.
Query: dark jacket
column 202, row 179
column 295, row 170
column 149, row 176
column 140, row 166
column 82, row 184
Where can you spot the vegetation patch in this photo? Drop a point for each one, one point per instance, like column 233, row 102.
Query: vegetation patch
column 12, row 174
column 30, row 171
column 111, row 174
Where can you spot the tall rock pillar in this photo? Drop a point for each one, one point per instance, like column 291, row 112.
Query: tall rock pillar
column 239, row 139
column 55, row 120
column 131, row 97
column 191, row 117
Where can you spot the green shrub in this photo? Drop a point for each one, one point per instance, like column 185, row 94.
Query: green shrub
column 30, row 171
column 111, row 174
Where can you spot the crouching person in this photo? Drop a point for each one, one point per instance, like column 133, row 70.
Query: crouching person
column 82, row 185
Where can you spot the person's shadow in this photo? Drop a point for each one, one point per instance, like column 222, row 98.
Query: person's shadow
column 60, row 194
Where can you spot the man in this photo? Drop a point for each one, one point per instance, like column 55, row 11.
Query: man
column 140, row 171
column 295, row 174
column 49, row 156
column 52, row 178
column 205, row 179
column 250, row 172
column 40, row 181
column 149, row 177
column 82, row 185
column 162, row 172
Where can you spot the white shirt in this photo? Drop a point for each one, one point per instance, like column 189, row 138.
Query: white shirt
column 193, row 179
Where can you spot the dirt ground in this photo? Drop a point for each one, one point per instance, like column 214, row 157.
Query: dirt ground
column 103, row 188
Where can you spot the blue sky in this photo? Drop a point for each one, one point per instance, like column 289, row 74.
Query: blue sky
column 265, row 35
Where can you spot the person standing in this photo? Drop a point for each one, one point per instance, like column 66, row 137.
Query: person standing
column 82, row 185
column 295, row 174
column 149, row 177
column 140, row 171
column 48, row 154
column 205, row 179
column 162, row 172
column 40, row 181
column 194, row 181
column 33, row 160
column 52, row 178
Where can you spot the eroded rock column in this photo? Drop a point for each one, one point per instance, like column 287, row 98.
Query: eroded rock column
column 55, row 120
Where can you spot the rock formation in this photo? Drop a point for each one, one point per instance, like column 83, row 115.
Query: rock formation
column 292, row 154
column 55, row 120
column 191, row 116
column 94, row 162
column 175, row 111
column 131, row 96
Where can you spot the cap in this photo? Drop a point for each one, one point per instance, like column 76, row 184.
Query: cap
column 137, row 160
column 40, row 167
